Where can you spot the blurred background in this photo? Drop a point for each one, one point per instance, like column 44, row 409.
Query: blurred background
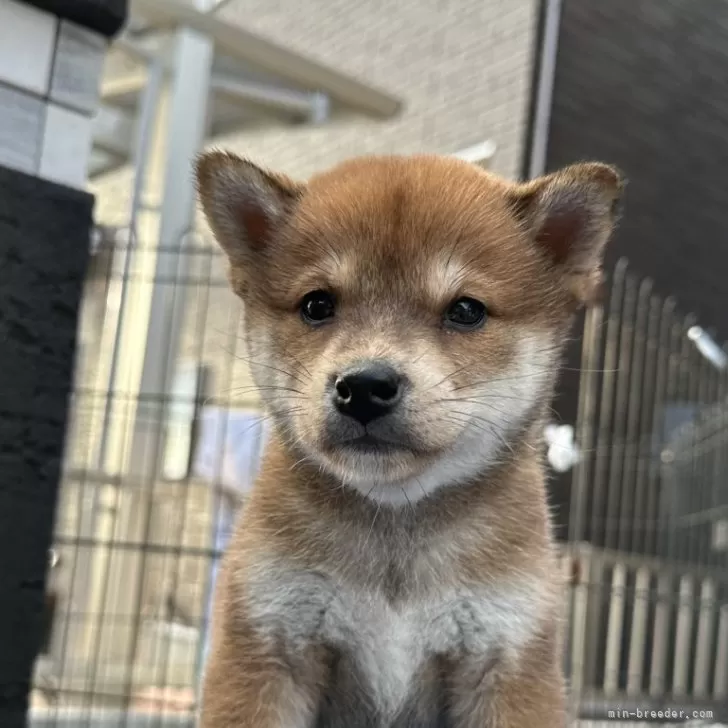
column 129, row 429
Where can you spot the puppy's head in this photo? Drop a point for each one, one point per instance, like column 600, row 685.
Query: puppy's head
column 405, row 315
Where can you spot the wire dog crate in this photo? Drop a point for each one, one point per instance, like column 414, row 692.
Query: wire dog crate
column 134, row 559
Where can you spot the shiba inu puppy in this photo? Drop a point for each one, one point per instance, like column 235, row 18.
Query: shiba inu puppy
column 404, row 317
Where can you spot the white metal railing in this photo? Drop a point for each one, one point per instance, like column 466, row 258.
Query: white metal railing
column 643, row 629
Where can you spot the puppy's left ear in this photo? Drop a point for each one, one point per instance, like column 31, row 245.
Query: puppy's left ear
column 570, row 215
column 245, row 205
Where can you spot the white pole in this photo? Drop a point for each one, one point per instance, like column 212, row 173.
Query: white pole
column 545, row 90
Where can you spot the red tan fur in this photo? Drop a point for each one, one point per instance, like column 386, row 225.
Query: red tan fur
column 412, row 584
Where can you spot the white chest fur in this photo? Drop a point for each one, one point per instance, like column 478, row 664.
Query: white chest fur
column 390, row 642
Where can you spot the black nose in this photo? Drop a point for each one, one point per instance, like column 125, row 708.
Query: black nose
column 368, row 391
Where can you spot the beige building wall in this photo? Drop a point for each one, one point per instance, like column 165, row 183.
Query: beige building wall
column 462, row 68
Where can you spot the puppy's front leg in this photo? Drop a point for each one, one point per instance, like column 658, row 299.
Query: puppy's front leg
column 248, row 686
column 523, row 691
column 258, row 691
column 255, row 678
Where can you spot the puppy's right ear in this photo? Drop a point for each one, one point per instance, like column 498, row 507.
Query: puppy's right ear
column 570, row 215
column 244, row 204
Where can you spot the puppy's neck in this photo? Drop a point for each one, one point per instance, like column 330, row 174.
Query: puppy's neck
column 445, row 487
column 458, row 533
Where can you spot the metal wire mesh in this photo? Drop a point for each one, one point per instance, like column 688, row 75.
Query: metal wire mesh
column 135, row 554
column 649, row 611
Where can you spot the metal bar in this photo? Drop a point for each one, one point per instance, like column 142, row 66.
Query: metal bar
column 661, row 635
column 697, row 395
column 599, row 594
column 664, row 543
column 544, row 95
column 309, row 104
column 638, row 634
column 661, row 384
column 680, row 548
column 718, row 495
column 186, row 133
column 300, row 103
column 643, row 520
column 720, row 679
column 601, row 447
column 131, row 83
column 615, row 487
column 569, row 568
column 189, row 96
column 121, row 545
column 704, row 640
column 706, row 345
column 117, row 301
column 600, row 492
column 629, row 486
column 683, row 632
column 614, row 629
column 581, row 598
column 586, row 415
column 660, row 565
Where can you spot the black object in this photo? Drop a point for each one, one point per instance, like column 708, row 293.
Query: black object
column 45, row 231
column 44, row 248
column 103, row 16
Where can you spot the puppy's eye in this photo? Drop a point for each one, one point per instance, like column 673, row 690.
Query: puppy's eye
column 466, row 313
column 317, row 306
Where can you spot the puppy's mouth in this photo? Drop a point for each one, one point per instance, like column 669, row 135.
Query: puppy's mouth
column 371, row 445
